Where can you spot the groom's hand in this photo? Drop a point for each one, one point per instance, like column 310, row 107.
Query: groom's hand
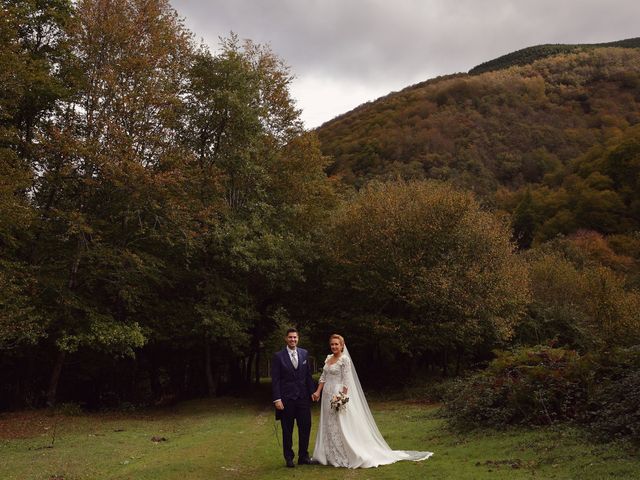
column 279, row 405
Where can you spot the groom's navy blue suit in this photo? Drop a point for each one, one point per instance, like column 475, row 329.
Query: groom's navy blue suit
column 294, row 387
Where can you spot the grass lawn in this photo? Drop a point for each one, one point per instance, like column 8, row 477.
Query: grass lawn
column 235, row 438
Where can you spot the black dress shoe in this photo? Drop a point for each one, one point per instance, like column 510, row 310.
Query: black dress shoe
column 290, row 463
column 304, row 461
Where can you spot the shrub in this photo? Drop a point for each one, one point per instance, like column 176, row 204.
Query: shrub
column 614, row 404
column 543, row 385
column 534, row 385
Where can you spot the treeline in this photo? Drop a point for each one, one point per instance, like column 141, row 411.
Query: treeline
column 163, row 215
column 529, row 55
column 550, row 142
column 157, row 203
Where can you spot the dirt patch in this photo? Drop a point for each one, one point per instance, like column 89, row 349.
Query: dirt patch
column 26, row 424
column 39, row 423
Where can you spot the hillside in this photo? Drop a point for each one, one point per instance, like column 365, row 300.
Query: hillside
column 508, row 127
column 550, row 127
column 538, row 52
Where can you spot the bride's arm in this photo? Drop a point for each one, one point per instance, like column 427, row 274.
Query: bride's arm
column 321, row 382
column 347, row 378
column 318, row 392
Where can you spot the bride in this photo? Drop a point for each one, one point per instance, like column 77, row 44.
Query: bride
column 349, row 437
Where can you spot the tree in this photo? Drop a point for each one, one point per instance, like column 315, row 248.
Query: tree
column 524, row 221
column 32, row 43
column 261, row 192
column 106, row 194
column 577, row 301
column 427, row 273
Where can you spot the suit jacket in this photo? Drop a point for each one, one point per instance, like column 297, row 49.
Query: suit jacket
column 288, row 383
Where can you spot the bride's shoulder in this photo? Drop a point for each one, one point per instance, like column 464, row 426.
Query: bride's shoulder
column 344, row 361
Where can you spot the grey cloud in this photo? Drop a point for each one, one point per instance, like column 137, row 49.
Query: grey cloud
column 351, row 37
column 384, row 41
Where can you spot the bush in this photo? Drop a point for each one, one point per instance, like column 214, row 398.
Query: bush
column 69, row 409
column 614, row 405
column 618, row 408
column 534, row 385
column 543, row 385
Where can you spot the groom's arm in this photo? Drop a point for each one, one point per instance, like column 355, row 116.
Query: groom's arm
column 311, row 385
column 275, row 378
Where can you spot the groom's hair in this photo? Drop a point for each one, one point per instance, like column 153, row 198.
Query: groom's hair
column 292, row 330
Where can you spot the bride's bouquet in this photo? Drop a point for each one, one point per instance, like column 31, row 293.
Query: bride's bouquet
column 339, row 401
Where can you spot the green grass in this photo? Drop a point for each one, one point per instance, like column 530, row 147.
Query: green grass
column 234, row 438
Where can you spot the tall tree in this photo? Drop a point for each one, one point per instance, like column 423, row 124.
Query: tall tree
column 261, row 191
column 110, row 177
column 32, row 44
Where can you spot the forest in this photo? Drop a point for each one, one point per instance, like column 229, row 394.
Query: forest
column 553, row 143
column 531, row 54
column 164, row 217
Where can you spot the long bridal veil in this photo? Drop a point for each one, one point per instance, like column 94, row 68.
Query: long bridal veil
column 361, row 430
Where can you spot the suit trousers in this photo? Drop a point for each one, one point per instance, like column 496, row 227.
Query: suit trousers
column 298, row 410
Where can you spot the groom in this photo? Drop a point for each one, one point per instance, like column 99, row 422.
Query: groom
column 292, row 387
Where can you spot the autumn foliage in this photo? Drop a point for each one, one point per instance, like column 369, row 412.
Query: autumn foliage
column 164, row 215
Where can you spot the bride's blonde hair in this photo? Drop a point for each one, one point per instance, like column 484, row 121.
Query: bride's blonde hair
column 339, row 337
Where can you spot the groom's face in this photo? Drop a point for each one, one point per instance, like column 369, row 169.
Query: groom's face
column 292, row 339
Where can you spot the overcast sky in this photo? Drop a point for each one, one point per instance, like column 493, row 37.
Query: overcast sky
column 346, row 52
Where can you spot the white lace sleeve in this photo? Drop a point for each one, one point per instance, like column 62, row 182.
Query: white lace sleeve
column 322, row 378
column 347, row 378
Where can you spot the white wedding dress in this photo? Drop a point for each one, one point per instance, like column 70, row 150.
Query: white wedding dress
column 350, row 437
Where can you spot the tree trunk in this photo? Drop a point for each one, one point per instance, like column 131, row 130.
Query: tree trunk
column 154, row 377
column 236, row 372
column 445, row 363
column 57, row 368
column 186, row 380
column 247, row 378
column 133, row 379
column 258, row 366
column 55, row 378
column 208, row 371
column 459, row 354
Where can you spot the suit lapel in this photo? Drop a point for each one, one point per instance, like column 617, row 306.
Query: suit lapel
column 286, row 358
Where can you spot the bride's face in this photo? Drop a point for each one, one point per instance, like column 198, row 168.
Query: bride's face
column 336, row 346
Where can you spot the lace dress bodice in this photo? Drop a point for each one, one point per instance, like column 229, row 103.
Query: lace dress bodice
column 337, row 373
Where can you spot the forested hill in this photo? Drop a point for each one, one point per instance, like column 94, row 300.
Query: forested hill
column 537, row 52
column 506, row 127
column 549, row 128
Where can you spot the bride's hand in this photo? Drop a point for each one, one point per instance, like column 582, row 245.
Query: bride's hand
column 345, row 389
